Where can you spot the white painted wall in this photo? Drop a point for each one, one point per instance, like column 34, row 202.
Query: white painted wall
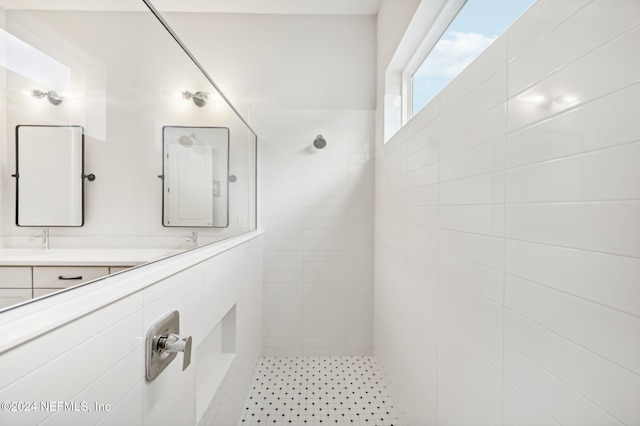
column 285, row 61
column 52, row 353
column 123, row 88
column 507, row 241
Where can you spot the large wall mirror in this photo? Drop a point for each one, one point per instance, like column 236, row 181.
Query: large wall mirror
column 195, row 176
column 49, row 193
column 131, row 94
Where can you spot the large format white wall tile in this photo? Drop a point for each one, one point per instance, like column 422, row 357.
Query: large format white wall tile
column 608, row 227
column 609, row 174
column 320, row 247
column 607, row 385
column 579, row 130
column 527, row 239
column 72, row 363
column 603, row 278
column 589, row 28
column 610, row 66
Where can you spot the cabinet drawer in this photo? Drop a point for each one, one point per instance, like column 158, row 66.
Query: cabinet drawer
column 114, row 269
column 37, row 292
column 12, row 296
column 15, row 277
column 66, row 276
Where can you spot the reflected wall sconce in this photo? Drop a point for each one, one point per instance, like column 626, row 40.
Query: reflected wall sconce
column 198, row 98
column 51, row 95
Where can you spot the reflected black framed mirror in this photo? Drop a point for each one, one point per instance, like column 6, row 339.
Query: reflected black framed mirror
column 49, row 176
column 195, row 176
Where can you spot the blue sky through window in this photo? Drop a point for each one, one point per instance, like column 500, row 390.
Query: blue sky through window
column 476, row 26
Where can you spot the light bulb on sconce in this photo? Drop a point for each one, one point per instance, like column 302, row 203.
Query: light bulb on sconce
column 198, row 98
column 51, row 95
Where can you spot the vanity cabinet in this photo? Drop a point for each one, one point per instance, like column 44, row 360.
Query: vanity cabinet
column 66, row 276
column 15, row 285
column 21, row 283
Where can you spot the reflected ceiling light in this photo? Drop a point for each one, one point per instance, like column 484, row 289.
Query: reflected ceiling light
column 51, row 96
column 198, row 98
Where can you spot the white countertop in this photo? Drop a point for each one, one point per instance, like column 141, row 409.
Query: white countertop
column 82, row 257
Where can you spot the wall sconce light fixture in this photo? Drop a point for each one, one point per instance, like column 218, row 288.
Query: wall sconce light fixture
column 198, row 98
column 51, row 95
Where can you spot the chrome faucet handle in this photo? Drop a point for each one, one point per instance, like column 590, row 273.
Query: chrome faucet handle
column 173, row 343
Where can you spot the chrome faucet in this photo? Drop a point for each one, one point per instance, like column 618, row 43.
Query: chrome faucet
column 45, row 238
column 193, row 237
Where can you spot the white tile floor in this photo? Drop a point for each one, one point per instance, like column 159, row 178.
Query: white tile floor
column 340, row 390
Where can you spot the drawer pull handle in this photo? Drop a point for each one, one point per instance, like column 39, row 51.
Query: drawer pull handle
column 62, row 277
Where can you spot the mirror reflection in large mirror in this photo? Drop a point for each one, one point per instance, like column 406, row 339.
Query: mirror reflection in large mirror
column 49, row 193
column 122, row 87
column 195, row 176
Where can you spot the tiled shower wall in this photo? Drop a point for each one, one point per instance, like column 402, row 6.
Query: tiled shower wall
column 100, row 357
column 318, row 219
column 507, row 230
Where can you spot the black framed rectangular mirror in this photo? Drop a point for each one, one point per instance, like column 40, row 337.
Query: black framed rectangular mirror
column 49, row 193
column 195, row 175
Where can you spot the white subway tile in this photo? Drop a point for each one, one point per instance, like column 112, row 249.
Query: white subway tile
column 579, row 130
column 273, row 245
column 541, row 18
column 325, row 277
column 520, row 409
column 579, row 81
column 422, row 215
column 484, row 158
column 106, row 390
column 471, row 399
column 283, row 277
column 479, row 219
column 427, row 154
column 484, row 96
column 609, row 174
column 128, row 411
column 486, row 281
column 488, row 344
column 424, row 235
column 487, row 375
column 423, row 176
column 291, row 298
column 40, row 352
column 605, row 331
column 125, row 337
column 283, row 266
column 283, row 256
column 603, row 278
column 483, row 249
column 612, row 388
column 487, row 126
column 291, row 328
column 589, row 28
column 283, row 341
column 591, row 226
column 479, row 308
column 559, row 400
column 482, row 68
column 281, row 287
column 483, row 189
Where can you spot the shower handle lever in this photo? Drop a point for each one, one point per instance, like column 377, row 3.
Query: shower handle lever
column 173, row 343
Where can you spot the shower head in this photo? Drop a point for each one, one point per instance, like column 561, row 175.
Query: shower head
column 319, row 142
column 187, row 140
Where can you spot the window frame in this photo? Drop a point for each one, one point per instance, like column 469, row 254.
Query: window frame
column 446, row 16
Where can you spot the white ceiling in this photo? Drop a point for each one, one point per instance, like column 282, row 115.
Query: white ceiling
column 288, row 7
